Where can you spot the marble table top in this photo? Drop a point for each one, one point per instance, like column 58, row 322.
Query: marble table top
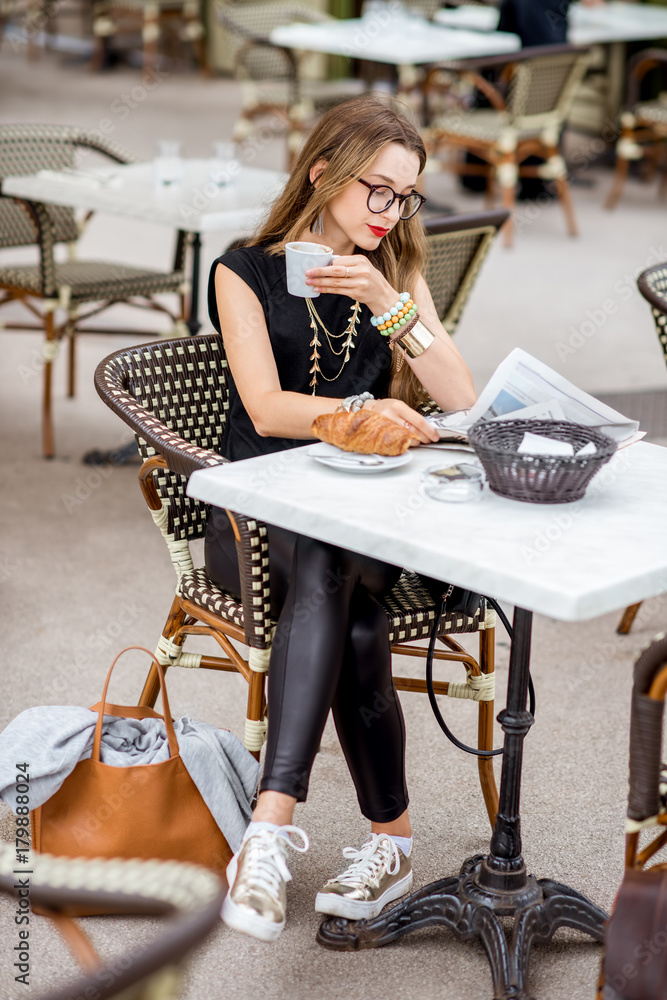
column 392, row 37
column 610, row 22
column 194, row 204
column 569, row 561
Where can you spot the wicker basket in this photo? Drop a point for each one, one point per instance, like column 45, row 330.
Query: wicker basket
column 538, row 478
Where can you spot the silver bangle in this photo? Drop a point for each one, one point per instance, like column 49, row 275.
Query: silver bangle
column 417, row 340
column 353, row 403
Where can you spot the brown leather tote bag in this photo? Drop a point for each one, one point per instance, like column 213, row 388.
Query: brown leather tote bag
column 142, row 811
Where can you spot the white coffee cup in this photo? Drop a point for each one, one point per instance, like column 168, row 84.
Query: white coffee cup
column 299, row 258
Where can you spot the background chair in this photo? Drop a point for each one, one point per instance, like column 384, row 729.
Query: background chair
column 457, row 248
column 652, row 284
column 52, row 287
column 157, row 20
column 643, row 126
column 272, row 77
column 525, row 121
column 191, row 894
column 634, row 962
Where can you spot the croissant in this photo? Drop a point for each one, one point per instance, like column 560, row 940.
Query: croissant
column 364, row 432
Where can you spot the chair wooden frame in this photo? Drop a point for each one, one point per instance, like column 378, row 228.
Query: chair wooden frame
column 112, row 17
column 522, row 131
column 52, row 288
column 189, row 893
column 652, row 285
column 646, row 806
column 643, row 127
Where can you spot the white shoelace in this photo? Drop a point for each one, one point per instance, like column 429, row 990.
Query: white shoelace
column 266, row 863
column 369, row 859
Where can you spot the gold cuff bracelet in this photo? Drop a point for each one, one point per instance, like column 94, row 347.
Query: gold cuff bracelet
column 417, row 340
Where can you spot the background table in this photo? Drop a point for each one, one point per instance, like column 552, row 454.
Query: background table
column 611, row 22
column 571, row 561
column 194, row 205
column 400, row 41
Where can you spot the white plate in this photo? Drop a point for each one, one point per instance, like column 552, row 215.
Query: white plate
column 352, row 461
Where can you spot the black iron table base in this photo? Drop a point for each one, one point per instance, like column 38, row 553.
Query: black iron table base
column 489, row 886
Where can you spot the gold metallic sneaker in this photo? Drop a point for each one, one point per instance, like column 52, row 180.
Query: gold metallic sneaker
column 255, row 903
column 379, row 873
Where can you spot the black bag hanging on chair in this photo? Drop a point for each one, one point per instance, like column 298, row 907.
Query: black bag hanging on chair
column 456, row 600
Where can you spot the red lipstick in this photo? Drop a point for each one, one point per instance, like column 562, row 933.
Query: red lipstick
column 378, row 230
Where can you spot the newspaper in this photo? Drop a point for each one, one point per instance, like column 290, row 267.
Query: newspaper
column 524, row 388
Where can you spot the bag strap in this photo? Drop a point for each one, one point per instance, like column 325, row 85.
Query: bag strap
column 76, row 939
column 168, row 724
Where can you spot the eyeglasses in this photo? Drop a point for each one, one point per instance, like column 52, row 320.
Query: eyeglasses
column 381, row 197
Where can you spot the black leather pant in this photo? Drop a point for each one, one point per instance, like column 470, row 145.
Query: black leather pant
column 331, row 650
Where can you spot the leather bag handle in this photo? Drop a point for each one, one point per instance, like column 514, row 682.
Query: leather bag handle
column 168, row 724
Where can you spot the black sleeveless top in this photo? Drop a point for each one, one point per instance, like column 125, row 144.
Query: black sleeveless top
column 288, row 323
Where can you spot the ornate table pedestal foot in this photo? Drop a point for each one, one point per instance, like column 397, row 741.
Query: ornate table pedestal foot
column 489, row 886
column 465, row 907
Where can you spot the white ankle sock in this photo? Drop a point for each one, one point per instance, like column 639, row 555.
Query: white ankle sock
column 405, row 844
column 254, row 826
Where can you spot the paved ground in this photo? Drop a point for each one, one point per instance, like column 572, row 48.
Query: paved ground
column 80, row 580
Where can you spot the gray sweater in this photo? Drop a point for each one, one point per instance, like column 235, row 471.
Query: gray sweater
column 53, row 739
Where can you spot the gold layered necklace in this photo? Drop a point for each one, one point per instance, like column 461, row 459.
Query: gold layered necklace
column 347, row 338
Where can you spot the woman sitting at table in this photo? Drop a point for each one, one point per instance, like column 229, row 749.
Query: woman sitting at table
column 353, row 189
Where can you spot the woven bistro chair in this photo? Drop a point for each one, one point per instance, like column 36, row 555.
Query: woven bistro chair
column 157, row 19
column 525, row 121
column 652, row 284
column 271, row 76
column 457, row 247
column 643, row 125
column 174, row 395
column 189, row 894
column 52, row 287
column 639, row 910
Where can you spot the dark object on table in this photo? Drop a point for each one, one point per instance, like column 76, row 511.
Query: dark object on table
column 538, row 478
column 536, row 22
column 635, row 962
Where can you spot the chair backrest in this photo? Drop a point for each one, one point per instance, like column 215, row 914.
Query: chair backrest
column 184, row 384
column 27, row 149
column 652, row 284
column 543, row 86
column 191, row 893
column 250, row 23
column 457, row 246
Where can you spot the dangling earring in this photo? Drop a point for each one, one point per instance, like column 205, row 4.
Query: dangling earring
column 317, row 227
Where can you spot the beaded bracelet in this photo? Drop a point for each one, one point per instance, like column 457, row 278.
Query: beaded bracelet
column 396, row 317
column 353, row 403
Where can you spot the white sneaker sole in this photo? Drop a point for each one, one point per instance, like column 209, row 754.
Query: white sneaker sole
column 359, row 909
column 241, row 919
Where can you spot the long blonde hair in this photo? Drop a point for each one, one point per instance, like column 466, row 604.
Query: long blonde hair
column 348, row 138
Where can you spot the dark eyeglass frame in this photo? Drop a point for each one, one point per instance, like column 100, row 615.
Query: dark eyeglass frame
column 372, row 188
